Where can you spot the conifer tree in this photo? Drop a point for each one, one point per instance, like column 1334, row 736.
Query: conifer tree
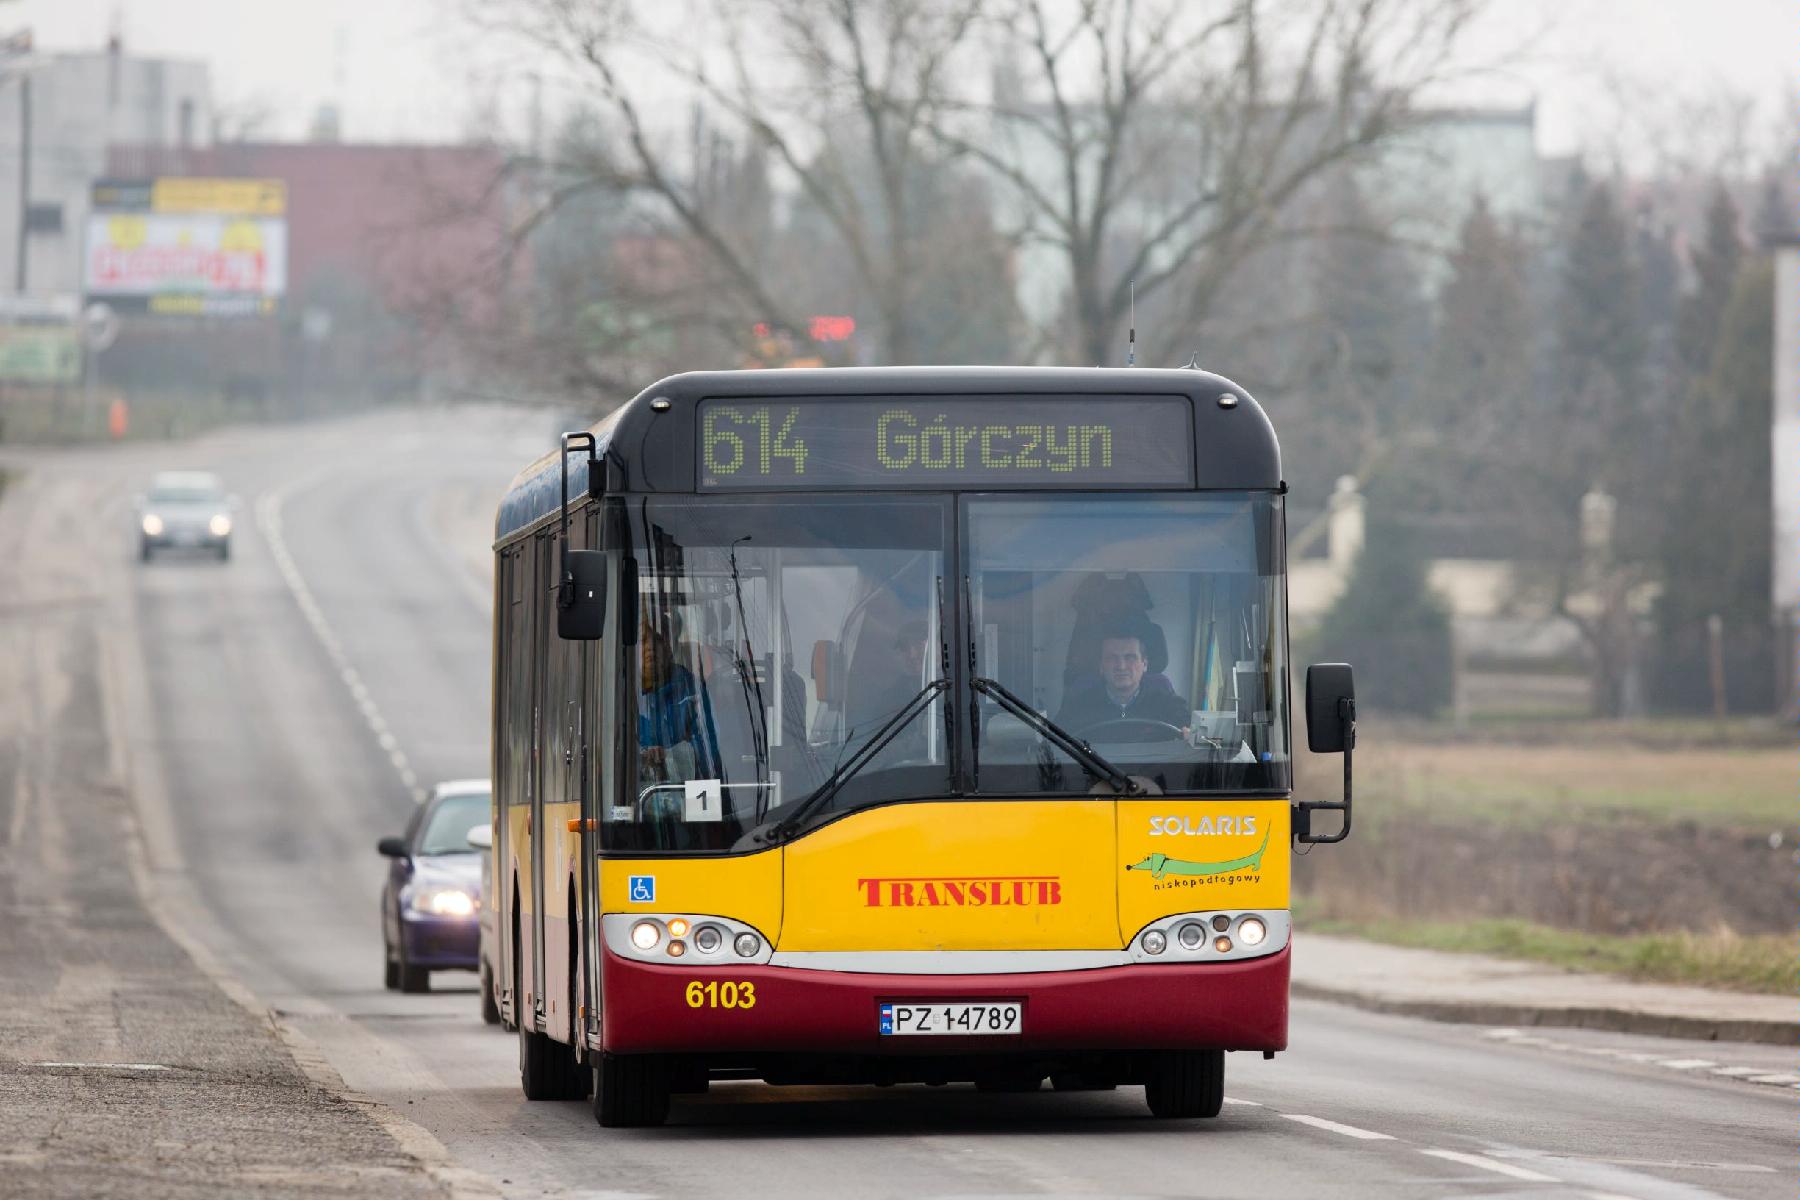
column 1716, row 534
column 1715, row 265
column 1391, row 626
column 1480, row 376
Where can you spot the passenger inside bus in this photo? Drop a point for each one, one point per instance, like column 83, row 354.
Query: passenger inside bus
column 900, row 680
column 675, row 737
column 1120, row 689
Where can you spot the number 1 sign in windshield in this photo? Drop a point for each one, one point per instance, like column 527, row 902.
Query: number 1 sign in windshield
column 947, row 442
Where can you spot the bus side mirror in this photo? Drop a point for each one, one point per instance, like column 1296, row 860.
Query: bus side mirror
column 1330, row 729
column 581, row 598
column 1330, row 708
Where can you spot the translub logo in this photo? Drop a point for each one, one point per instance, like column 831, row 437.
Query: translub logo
column 962, row 891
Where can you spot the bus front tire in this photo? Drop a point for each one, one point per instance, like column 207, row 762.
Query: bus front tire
column 631, row 1089
column 548, row 1070
column 1186, row 1083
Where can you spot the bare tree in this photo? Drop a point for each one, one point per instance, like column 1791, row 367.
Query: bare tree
column 835, row 92
column 1162, row 143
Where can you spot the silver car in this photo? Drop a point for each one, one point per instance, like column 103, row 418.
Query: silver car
column 188, row 509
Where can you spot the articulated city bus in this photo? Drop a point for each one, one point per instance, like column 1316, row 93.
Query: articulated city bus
column 899, row 725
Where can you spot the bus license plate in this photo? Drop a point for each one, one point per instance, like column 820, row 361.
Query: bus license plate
column 965, row 1017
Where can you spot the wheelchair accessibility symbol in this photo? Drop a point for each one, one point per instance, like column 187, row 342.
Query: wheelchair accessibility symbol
column 641, row 888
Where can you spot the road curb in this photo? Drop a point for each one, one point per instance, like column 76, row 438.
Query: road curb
column 153, row 861
column 1612, row 1020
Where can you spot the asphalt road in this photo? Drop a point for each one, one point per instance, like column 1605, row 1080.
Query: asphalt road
column 301, row 693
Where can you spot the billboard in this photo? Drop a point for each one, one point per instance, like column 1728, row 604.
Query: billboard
column 39, row 354
column 188, row 247
column 40, row 340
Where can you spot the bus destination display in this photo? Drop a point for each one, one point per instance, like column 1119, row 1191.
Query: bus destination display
column 946, row 441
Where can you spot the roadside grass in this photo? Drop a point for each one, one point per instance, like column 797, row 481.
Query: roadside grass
column 1506, row 783
column 1747, row 963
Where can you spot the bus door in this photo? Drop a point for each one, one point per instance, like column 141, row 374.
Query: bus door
column 562, row 796
column 517, row 781
column 599, row 701
column 544, row 648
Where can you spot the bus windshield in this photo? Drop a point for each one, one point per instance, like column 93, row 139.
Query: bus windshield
column 1150, row 628
column 775, row 637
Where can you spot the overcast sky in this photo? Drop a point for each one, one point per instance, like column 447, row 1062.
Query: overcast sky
column 401, row 69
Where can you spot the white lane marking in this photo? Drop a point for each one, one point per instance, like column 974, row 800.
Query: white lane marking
column 268, row 515
column 99, row 1066
column 1672, row 1164
column 1609, row 1196
column 1494, row 1165
column 1245, row 1103
column 1759, row 1075
column 1367, row 1135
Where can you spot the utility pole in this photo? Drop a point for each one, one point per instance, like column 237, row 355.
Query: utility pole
column 24, row 179
column 15, row 50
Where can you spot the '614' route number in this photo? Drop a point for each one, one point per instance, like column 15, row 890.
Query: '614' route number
column 716, row 994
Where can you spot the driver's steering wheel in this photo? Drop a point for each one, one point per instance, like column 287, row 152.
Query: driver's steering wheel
column 1160, row 731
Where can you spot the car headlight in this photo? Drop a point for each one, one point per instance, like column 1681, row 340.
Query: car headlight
column 153, row 524
column 220, row 525
column 444, row 902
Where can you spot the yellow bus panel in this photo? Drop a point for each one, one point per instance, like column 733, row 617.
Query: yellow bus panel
column 1179, row 856
column 744, row 887
column 959, row 875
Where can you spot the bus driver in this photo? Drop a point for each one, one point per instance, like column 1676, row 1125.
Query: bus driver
column 1120, row 692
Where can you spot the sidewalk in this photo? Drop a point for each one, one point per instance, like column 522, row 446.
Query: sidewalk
column 1478, row 989
column 125, row 1071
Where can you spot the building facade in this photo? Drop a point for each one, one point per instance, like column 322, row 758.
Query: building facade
column 69, row 107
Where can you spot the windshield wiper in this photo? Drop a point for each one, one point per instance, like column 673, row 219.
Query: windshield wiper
column 1071, row 745
column 856, row 762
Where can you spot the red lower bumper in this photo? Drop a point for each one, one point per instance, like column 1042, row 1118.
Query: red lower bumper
column 1231, row 1006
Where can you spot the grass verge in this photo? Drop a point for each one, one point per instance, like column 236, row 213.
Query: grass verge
column 1745, row 963
column 1738, row 787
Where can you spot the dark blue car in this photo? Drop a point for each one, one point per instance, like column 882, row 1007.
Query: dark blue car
column 431, row 903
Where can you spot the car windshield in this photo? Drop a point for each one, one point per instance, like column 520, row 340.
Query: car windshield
column 447, row 828
column 184, row 495
column 1148, row 627
column 774, row 638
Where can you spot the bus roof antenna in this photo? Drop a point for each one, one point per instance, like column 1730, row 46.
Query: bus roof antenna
column 1131, row 341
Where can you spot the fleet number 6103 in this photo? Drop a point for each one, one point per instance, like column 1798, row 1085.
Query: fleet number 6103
column 714, row 994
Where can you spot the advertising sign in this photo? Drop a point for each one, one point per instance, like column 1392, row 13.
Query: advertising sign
column 188, row 247
column 39, row 354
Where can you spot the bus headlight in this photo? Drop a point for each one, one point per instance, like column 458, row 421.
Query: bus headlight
column 220, row 525
column 1190, row 936
column 153, row 524
column 708, row 939
column 1155, row 942
column 747, row 944
column 646, row 934
column 1251, row 931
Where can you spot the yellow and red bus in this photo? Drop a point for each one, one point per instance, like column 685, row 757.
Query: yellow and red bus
column 899, row 725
